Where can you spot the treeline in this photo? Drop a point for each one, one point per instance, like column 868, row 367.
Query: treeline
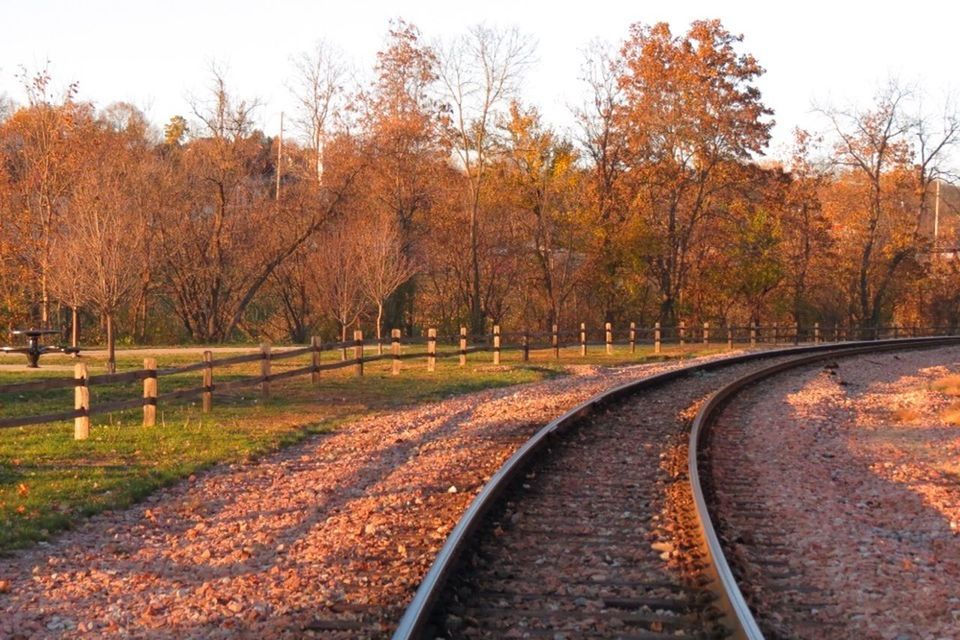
column 435, row 195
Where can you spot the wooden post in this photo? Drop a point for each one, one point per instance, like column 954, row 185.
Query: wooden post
column 729, row 338
column 395, row 347
column 463, row 346
column 608, row 337
column 836, row 332
column 315, row 349
column 682, row 333
column 150, row 392
column 431, row 349
column 796, row 333
column 358, row 352
column 81, row 402
column 656, row 338
column 496, row 344
column 706, row 333
column 583, row 339
column 265, row 370
column 753, row 334
column 526, row 345
column 555, row 341
column 895, row 335
column 816, row 332
column 206, row 397
column 776, row 333
column 633, row 337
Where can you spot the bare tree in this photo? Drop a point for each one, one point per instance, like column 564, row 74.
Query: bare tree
column 337, row 264
column 480, row 73
column 384, row 265
column 97, row 254
column 320, row 91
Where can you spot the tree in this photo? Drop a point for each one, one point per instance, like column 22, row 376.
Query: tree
column 604, row 144
column 888, row 160
column 43, row 160
column 222, row 233
column 480, row 73
column 96, row 256
column 383, row 265
column 321, row 95
column 691, row 113
column 402, row 126
column 544, row 182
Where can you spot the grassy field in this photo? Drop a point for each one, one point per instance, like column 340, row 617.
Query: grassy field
column 48, row 480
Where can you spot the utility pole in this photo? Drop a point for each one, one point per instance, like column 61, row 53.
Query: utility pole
column 279, row 155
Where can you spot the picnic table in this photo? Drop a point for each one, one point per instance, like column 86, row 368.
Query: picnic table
column 34, row 349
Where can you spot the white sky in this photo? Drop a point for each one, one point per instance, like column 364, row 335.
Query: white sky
column 156, row 54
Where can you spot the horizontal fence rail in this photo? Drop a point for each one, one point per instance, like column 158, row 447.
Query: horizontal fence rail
column 353, row 355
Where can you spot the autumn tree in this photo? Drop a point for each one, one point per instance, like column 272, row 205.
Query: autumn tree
column 480, row 74
column 887, row 158
column 96, row 251
column 543, row 179
column 41, row 157
column 691, row 113
column 222, row 232
column 402, row 122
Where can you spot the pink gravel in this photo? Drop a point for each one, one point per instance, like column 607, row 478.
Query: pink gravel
column 853, row 474
column 328, row 537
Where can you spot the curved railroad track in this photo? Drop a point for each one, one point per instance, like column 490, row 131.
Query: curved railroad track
column 598, row 527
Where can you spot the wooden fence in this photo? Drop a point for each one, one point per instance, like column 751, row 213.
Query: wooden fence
column 495, row 343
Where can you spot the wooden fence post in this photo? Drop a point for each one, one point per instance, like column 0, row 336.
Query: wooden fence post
column 729, row 338
column 395, row 347
column 463, row 346
column 796, row 333
column 431, row 349
column 656, row 338
column 706, row 333
column 633, row 337
column 206, row 396
column 608, row 337
column 150, row 392
column 265, row 370
column 682, row 333
column 583, row 339
column 315, row 347
column 358, row 352
column 496, row 344
column 776, row 333
column 816, row 332
column 555, row 341
column 81, row 402
column 526, row 345
column 836, row 332
column 753, row 334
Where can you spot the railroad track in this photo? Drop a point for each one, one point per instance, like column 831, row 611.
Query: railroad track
column 598, row 527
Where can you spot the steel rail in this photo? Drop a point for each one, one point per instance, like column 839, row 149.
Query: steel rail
column 418, row 612
column 737, row 614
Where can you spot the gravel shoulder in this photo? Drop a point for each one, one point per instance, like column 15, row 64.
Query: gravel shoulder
column 330, row 537
column 853, row 499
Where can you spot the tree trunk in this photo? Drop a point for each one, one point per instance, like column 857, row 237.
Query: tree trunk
column 111, row 346
column 75, row 329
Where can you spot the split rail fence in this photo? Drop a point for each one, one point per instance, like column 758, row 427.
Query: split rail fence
column 496, row 343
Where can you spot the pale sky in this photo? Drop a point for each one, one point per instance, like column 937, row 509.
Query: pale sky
column 155, row 55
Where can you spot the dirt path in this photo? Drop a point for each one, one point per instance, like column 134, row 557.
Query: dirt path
column 330, row 536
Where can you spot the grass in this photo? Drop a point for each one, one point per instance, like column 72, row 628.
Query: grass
column 950, row 385
column 49, row 481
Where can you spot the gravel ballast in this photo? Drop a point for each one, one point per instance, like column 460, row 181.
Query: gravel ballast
column 838, row 498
